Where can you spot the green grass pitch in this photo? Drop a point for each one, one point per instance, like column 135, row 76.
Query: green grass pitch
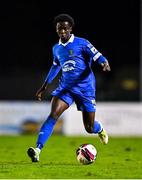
column 120, row 159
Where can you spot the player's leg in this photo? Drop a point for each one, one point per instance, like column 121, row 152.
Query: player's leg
column 90, row 124
column 57, row 108
column 93, row 126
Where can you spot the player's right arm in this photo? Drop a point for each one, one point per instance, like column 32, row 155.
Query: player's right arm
column 54, row 70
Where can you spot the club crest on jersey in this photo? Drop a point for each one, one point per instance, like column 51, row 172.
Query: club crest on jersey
column 70, row 53
column 68, row 65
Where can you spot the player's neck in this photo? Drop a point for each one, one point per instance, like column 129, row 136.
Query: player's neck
column 66, row 40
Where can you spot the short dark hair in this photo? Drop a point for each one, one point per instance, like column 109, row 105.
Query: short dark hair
column 63, row 18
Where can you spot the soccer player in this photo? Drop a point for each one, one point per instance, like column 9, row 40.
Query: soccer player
column 73, row 56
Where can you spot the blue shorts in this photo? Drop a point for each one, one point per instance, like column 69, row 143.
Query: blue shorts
column 83, row 100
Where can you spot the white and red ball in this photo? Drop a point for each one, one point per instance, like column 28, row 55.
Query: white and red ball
column 86, row 154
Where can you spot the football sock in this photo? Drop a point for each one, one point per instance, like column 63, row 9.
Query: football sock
column 97, row 127
column 38, row 150
column 45, row 131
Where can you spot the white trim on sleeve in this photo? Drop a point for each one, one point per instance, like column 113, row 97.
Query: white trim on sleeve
column 97, row 56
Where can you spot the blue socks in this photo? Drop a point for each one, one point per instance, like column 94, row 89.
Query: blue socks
column 45, row 131
column 48, row 126
column 97, row 127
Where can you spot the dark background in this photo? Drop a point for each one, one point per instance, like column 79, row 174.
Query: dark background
column 27, row 36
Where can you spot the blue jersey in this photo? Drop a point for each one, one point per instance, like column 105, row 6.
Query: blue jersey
column 74, row 58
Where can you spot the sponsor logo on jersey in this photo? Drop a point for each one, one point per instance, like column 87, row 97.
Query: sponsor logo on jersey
column 68, row 65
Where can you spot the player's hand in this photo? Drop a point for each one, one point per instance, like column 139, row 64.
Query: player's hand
column 106, row 66
column 39, row 93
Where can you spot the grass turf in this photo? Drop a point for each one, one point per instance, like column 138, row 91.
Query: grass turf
column 120, row 159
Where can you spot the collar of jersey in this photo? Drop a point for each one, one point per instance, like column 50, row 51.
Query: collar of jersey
column 70, row 40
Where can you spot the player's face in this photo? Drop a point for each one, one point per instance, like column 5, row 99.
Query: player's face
column 63, row 30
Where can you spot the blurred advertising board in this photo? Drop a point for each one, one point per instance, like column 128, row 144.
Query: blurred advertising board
column 26, row 117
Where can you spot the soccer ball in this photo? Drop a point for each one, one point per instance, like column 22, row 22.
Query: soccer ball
column 86, row 154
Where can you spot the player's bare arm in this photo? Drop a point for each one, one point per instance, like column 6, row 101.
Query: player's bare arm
column 54, row 70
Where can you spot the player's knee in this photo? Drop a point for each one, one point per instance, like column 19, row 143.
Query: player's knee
column 54, row 115
column 88, row 129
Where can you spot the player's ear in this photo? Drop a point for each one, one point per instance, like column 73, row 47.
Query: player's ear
column 70, row 28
